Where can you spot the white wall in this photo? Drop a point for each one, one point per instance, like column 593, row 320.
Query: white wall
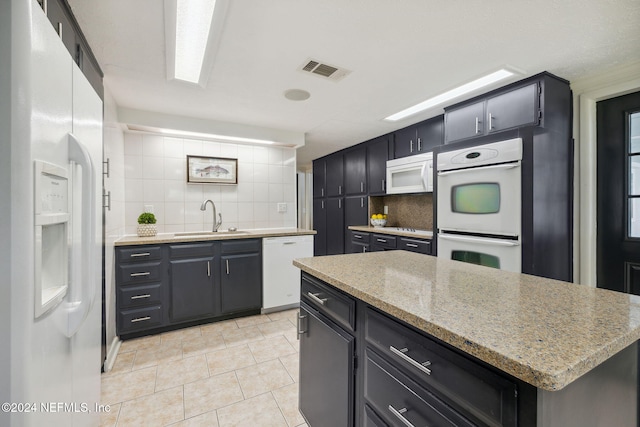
column 114, row 218
column 155, row 174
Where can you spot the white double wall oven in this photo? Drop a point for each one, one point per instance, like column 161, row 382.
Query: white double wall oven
column 479, row 205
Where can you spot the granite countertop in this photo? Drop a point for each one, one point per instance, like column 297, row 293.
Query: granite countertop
column 206, row 235
column 545, row 332
column 396, row 231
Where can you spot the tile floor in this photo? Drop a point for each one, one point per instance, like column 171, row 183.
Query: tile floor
column 240, row 372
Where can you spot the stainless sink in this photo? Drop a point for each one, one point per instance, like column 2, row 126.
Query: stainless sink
column 211, row 233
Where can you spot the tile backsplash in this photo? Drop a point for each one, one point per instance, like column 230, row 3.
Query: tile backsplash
column 405, row 210
column 155, row 174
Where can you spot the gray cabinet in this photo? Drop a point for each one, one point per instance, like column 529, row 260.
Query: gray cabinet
column 335, row 226
column 241, row 276
column 377, row 156
column 334, row 175
column 359, row 241
column 319, row 178
column 320, row 225
column 192, row 281
column 419, row 138
column 464, row 122
column 355, row 176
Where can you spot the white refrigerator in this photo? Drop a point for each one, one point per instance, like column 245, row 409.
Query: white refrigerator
column 51, row 210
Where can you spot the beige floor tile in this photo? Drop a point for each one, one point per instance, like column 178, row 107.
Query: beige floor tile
column 229, row 359
column 287, row 398
column 258, row 319
column 139, row 343
column 159, row 409
column 292, row 365
column 180, row 334
column 203, row 344
column 109, row 419
column 210, row 419
column 218, row 327
column 262, row 378
column 123, row 363
column 127, row 386
column 162, row 353
column 242, row 336
column 210, row 394
column 290, row 315
column 292, row 337
column 260, row 411
column 271, row 348
column 277, row 327
column 179, row 372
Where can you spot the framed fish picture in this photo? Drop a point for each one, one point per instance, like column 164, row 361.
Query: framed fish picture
column 212, row 170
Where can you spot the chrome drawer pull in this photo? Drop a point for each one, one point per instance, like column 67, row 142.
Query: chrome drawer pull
column 401, row 353
column 412, row 245
column 300, row 331
column 141, row 296
column 381, row 240
column 398, row 413
column 316, row 298
column 146, row 273
column 140, row 254
column 357, row 236
column 140, row 319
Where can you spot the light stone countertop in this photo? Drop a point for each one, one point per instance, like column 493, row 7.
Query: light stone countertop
column 206, row 235
column 393, row 231
column 545, row 332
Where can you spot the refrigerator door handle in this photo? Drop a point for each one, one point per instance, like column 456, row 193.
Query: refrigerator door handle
column 77, row 311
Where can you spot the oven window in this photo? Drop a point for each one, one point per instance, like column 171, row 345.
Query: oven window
column 477, row 198
column 476, row 258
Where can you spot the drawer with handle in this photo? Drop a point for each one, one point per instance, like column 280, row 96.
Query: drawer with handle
column 484, row 396
column 402, row 402
column 139, row 253
column 384, row 241
column 331, row 302
column 139, row 318
column 139, row 272
column 357, row 236
column 139, row 295
column 413, row 245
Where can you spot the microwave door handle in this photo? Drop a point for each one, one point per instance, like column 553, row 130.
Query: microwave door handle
column 423, row 175
column 505, row 166
column 494, row 242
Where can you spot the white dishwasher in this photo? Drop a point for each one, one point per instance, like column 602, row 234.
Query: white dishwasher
column 281, row 279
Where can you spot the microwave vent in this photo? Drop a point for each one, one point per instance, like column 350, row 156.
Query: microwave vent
column 327, row 71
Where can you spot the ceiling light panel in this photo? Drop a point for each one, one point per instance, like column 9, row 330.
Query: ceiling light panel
column 452, row 94
column 193, row 23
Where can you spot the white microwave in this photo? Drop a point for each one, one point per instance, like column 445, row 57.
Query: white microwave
column 413, row 174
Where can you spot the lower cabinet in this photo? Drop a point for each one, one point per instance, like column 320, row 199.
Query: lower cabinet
column 241, row 276
column 372, row 242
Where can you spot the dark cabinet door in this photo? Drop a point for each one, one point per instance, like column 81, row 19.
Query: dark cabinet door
column 320, row 225
column 358, row 247
column 90, row 69
column 335, row 175
column 515, row 108
column 335, row 226
column 377, row 156
column 241, row 282
column 59, row 17
column 430, row 134
column 464, row 122
column 405, row 142
column 319, row 174
column 355, row 174
column 191, row 288
column 356, row 212
column 326, row 371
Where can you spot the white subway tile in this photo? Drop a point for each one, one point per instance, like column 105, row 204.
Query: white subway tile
column 275, row 174
column 260, row 192
column 260, row 173
column 152, row 167
column 174, row 147
column 192, row 147
column 245, row 212
column 246, row 225
column 275, row 155
column 132, row 211
column 153, row 190
column 194, row 193
column 245, row 172
column 174, row 191
column 288, row 192
column 152, row 145
column 275, row 193
column 133, row 166
column 245, row 154
column 174, row 213
column 245, row 192
column 211, row 148
column 229, row 150
column 173, row 228
column 175, row 169
column 289, row 157
column 229, row 193
column 133, row 144
column 133, row 190
column 288, row 174
column 260, row 155
column 193, row 214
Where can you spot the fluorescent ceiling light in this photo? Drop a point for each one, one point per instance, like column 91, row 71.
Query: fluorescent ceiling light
column 451, row 94
column 201, row 135
column 193, row 24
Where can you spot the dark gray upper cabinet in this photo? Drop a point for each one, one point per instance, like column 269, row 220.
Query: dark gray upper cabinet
column 335, row 175
column 319, row 176
column 419, row 138
column 464, row 122
column 241, row 275
column 355, row 177
column 377, row 156
column 515, row 108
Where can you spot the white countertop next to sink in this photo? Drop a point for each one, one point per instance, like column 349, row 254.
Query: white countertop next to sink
column 197, row 236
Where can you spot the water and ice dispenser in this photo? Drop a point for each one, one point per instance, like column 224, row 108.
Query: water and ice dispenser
column 52, row 213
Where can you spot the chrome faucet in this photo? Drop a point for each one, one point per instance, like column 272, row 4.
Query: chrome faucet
column 216, row 224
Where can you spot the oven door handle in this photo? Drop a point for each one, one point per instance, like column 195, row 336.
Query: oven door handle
column 504, row 166
column 494, row 242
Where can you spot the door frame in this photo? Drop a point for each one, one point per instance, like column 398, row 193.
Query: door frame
column 621, row 81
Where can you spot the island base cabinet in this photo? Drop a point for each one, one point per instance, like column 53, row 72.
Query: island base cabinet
column 326, row 371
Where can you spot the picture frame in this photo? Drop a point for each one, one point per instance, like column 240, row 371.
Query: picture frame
column 212, row 170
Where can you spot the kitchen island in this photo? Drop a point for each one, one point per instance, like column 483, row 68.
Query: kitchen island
column 568, row 352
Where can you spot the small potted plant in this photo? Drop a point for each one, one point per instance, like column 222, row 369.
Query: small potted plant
column 147, row 225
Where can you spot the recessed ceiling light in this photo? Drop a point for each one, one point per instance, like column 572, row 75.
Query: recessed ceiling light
column 451, row 94
column 296, row 94
column 201, row 135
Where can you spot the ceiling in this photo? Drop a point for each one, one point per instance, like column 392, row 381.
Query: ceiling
column 399, row 53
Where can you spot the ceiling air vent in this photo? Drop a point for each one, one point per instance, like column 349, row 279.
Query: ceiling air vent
column 324, row 70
